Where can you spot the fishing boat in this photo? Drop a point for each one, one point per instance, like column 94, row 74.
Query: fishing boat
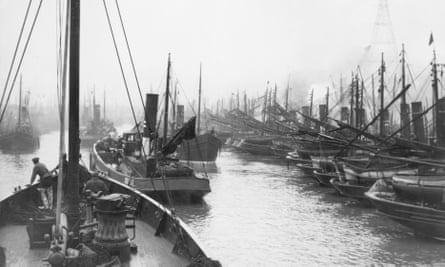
column 127, row 228
column 144, row 161
column 24, row 137
column 350, row 189
column 96, row 128
column 128, row 166
column 420, row 186
column 324, row 178
column 204, row 147
column 424, row 219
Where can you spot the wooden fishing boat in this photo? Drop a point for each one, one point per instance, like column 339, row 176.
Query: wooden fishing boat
column 424, row 220
column 370, row 170
column 204, row 147
column 281, row 150
column 350, row 189
column 257, row 145
column 307, row 168
column 323, row 178
column 158, row 237
column 23, row 138
column 426, row 186
column 175, row 178
column 96, row 128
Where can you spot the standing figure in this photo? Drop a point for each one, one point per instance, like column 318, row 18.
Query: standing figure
column 45, row 187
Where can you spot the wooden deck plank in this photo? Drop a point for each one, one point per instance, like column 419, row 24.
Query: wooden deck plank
column 152, row 250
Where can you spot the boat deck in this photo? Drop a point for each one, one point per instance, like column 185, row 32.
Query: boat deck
column 152, row 250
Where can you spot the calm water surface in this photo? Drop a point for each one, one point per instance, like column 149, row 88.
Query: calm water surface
column 259, row 213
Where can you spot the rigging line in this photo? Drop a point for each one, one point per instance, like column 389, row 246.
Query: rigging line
column 21, row 60
column 185, row 95
column 129, row 53
column 123, row 74
column 15, row 52
column 422, row 89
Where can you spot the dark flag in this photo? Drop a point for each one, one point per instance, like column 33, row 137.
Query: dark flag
column 187, row 132
column 431, row 39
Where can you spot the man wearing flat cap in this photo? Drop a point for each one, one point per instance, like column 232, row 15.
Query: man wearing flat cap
column 45, row 188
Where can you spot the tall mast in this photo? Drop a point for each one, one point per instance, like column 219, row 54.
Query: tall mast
column 341, row 90
column 435, row 96
column 275, row 95
column 373, row 96
column 199, row 99
column 174, row 111
column 265, row 105
column 312, row 102
column 167, row 94
column 245, row 103
column 237, row 100
column 20, row 101
column 104, row 106
column 357, row 102
column 287, row 95
column 351, row 114
column 72, row 195
column 382, row 95
column 403, row 108
column 327, row 101
column 362, row 112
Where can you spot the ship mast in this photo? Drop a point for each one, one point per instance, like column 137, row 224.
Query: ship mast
column 404, row 119
column 382, row 95
column 167, row 93
column 72, row 195
column 435, row 98
column 351, row 114
column 20, row 101
column 199, row 101
column 104, row 107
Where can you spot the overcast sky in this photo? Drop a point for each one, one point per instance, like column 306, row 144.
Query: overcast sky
column 242, row 44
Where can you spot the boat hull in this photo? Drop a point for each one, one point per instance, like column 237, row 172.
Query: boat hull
column 204, row 147
column 158, row 231
column 347, row 189
column 19, row 141
column 424, row 221
column 184, row 187
column 413, row 187
column 324, row 178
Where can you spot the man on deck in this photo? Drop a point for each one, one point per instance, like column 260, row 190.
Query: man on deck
column 45, row 188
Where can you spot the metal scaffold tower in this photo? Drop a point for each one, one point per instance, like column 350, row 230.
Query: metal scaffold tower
column 382, row 40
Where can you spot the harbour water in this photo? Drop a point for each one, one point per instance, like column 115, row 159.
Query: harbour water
column 259, row 213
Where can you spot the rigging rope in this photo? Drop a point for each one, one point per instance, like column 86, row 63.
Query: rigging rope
column 129, row 53
column 123, row 74
column 15, row 53
column 21, row 60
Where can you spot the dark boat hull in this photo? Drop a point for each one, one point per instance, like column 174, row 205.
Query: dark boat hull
column 422, row 220
column 19, row 141
column 428, row 221
column 184, row 187
column 204, row 147
column 260, row 146
column 419, row 188
column 346, row 189
column 324, row 178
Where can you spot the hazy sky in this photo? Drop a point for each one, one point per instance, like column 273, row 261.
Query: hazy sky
column 242, row 44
